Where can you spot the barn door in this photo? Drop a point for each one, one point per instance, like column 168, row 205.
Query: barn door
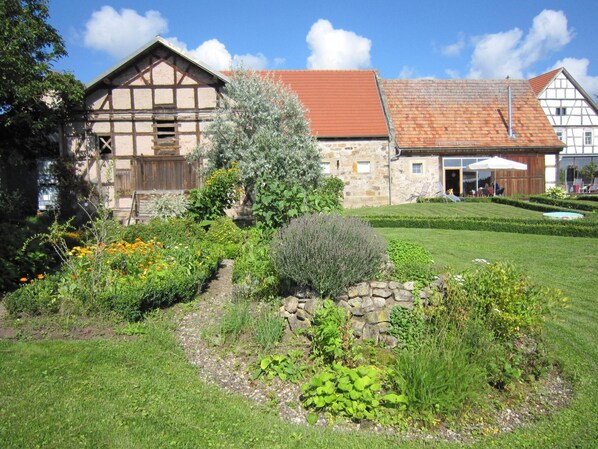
column 163, row 173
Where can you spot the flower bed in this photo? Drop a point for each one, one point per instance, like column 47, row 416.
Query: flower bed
column 128, row 278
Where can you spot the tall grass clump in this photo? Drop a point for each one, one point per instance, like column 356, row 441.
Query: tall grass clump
column 438, row 376
column 234, row 320
column 268, row 329
column 327, row 252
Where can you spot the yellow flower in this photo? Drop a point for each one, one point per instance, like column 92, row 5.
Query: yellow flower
column 23, row 279
column 40, row 276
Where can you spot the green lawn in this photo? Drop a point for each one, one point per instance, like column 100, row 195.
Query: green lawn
column 462, row 209
column 142, row 393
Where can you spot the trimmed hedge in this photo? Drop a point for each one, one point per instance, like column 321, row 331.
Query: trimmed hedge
column 530, row 206
column 467, row 199
column 587, row 197
column 571, row 204
column 575, row 228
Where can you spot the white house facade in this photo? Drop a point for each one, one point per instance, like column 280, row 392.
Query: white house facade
column 573, row 114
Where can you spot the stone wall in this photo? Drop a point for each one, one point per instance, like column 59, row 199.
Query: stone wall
column 405, row 183
column 346, row 159
column 368, row 305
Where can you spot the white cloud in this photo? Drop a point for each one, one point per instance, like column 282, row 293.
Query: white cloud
column 578, row 68
column 406, row 72
column 452, row 74
column 214, row 53
column 335, row 48
column 509, row 53
column 453, row 50
column 249, row 61
column 120, row 33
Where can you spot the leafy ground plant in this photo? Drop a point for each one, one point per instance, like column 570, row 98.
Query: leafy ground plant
column 354, row 393
column 285, row 367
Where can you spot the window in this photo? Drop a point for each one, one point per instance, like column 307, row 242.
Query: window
column 325, row 167
column 165, row 130
column 363, row 167
column 417, row 168
column 587, row 138
column 561, row 111
column 105, row 144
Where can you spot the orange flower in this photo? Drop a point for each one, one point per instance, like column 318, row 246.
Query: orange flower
column 40, row 276
column 23, row 279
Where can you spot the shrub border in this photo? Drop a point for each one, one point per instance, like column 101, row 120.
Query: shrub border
column 541, row 227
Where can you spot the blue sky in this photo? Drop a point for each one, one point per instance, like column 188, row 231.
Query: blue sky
column 401, row 39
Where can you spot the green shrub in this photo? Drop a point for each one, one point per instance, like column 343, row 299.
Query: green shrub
column 506, row 300
column 556, row 193
column 278, row 202
column 408, row 325
column 221, row 190
column 437, row 376
column 353, row 393
column 22, row 255
column 587, row 197
column 412, row 262
column 332, row 340
column 327, row 252
column 36, row 297
column 172, row 232
column 254, row 270
column 226, row 233
column 268, row 328
column 501, row 316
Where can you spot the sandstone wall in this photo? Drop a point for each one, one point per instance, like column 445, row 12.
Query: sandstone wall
column 368, row 305
column 347, row 160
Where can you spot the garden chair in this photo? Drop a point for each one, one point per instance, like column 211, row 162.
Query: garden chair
column 593, row 187
column 440, row 192
column 422, row 194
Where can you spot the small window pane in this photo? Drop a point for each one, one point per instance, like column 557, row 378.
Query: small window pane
column 417, row 168
column 363, row 167
column 588, row 137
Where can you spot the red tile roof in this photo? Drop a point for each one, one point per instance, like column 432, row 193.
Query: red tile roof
column 540, row 82
column 340, row 103
column 466, row 114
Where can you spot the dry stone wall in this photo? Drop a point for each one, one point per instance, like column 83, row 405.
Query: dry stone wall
column 368, row 304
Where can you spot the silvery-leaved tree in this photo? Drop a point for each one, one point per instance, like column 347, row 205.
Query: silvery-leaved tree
column 262, row 126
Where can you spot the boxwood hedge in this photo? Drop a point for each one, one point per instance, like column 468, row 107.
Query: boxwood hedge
column 576, row 228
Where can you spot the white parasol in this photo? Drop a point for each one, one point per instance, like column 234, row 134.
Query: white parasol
column 497, row 163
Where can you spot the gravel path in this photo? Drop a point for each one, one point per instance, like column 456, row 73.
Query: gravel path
column 227, row 369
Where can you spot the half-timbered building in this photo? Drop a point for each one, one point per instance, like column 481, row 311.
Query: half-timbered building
column 143, row 116
column 573, row 114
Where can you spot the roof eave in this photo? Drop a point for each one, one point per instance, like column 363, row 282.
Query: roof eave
column 157, row 40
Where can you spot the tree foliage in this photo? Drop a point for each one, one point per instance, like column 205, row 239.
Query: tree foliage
column 33, row 98
column 262, row 126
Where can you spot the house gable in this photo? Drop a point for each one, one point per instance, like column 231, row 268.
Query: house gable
column 570, row 110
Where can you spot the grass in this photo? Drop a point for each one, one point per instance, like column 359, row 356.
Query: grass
column 143, row 393
column 462, row 209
